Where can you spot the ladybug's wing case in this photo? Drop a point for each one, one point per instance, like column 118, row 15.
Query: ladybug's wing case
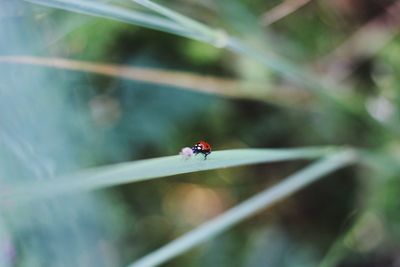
column 205, row 146
column 208, row 148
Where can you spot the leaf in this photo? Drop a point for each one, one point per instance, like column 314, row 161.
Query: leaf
column 98, row 9
column 248, row 208
column 142, row 170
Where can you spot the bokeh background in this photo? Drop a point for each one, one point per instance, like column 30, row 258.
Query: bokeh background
column 55, row 121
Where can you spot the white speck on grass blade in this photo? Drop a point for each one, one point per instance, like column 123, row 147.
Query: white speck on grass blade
column 247, row 208
column 141, row 170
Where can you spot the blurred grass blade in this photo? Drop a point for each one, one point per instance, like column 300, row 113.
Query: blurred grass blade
column 365, row 42
column 153, row 168
column 282, row 10
column 247, row 208
column 181, row 25
column 221, row 39
column 296, row 73
column 269, row 59
column 99, row 9
column 184, row 80
column 216, row 37
column 194, row 30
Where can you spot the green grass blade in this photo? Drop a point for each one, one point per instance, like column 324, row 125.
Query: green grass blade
column 271, row 61
column 141, row 170
column 103, row 10
column 299, row 74
column 183, row 26
column 247, row 208
column 215, row 37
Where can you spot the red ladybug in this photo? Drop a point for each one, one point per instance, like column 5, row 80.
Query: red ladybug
column 202, row 147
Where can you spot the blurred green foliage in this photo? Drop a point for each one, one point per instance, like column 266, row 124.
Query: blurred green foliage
column 56, row 121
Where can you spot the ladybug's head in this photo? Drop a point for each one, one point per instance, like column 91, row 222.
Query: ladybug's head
column 197, row 148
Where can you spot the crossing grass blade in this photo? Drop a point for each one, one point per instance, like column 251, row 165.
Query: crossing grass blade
column 248, row 208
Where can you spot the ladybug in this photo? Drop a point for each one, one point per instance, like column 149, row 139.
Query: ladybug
column 202, row 147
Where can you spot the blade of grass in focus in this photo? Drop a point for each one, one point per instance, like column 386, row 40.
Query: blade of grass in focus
column 142, row 170
column 247, row 208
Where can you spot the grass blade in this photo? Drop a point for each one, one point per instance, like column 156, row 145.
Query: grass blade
column 103, row 10
column 183, row 26
column 141, row 170
column 216, row 37
column 298, row 74
column 247, row 208
column 282, row 10
column 183, row 80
